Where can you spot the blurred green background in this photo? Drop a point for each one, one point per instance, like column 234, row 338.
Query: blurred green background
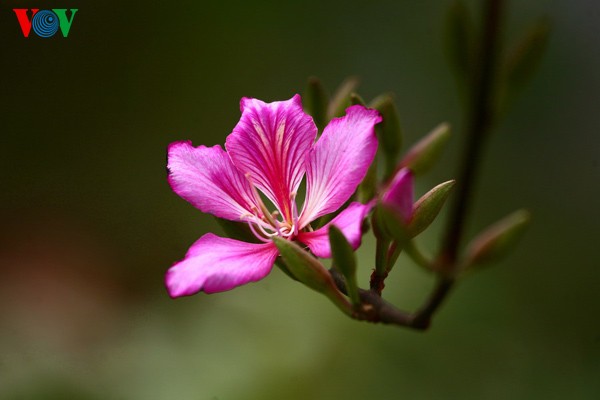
column 88, row 224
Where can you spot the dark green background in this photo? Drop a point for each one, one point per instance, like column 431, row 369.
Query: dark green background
column 88, row 224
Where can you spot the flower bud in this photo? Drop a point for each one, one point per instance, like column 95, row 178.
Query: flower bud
column 341, row 98
column 497, row 240
column 421, row 157
column 526, row 56
column 428, row 207
column 389, row 131
column 399, row 194
column 395, row 209
column 316, row 102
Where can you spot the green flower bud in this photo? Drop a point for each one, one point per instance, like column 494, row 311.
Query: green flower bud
column 389, row 131
column 497, row 240
column 341, row 98
column 526, row 56
column 428, row 207
column 421, row 157
column 355, row 99
column 316, row 102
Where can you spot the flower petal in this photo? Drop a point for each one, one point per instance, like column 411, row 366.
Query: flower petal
column 348, row 221
column 205, row 177
column 399, row 194
column 216, row 264
column 339, row 161
column 270, row 143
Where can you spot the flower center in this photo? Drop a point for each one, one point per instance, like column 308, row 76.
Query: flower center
column 265, row 224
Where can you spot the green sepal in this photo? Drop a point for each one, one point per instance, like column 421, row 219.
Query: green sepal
column 344, row 261
column 426, row 209
column 497, row 240
column 316, row 101
column 389, row 131
column 423, row 155
column 341, row 99
column 309, row 271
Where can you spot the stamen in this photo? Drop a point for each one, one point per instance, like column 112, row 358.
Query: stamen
column 262, row 206
column 294, row 213
column 259, row 237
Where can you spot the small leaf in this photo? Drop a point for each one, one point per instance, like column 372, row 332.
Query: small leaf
column 496, row 241
column 316, row 102
column 389, row 131
column 341, row 98
column 308, row 270
column 344, row 261
column 527, row 54
column 459, row 40
column 423, row 155
column 428, row 207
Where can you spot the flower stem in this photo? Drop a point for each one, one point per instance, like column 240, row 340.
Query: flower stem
column 480, row 116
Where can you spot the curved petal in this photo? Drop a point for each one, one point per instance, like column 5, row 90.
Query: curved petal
column 270, row 143
column 339, row 161
column 205, row 177
column 399, row 194
column 349, row 222
column 216, row 264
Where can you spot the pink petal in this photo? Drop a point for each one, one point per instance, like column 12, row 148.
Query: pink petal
column 399, row 194
column 339, row 161
column 348, row 221
column 205, row 177
column 216, row 264
column 270, row 142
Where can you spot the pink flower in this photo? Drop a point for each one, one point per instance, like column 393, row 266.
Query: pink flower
column 268, row 153
column 399, row 194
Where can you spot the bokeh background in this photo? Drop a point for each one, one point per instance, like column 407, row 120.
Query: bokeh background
column 88, row 224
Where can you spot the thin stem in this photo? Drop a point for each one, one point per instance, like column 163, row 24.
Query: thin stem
column 480, row 115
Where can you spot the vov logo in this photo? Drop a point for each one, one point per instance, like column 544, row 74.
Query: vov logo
column 45, row 23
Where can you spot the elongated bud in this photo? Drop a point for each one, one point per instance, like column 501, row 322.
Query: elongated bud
column 498, row 240
column 344, row 261
column 428, row 207
column 389, row 131
column 421, row 157
column 341, row 98
column 355, row 99
column 459, row 40
column 526, row 56
column 316, row 102
column 308, row 270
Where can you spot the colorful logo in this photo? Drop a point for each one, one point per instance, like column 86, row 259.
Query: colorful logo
column 45, row 23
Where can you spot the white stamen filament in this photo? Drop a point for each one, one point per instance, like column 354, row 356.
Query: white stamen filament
column 264, row 224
